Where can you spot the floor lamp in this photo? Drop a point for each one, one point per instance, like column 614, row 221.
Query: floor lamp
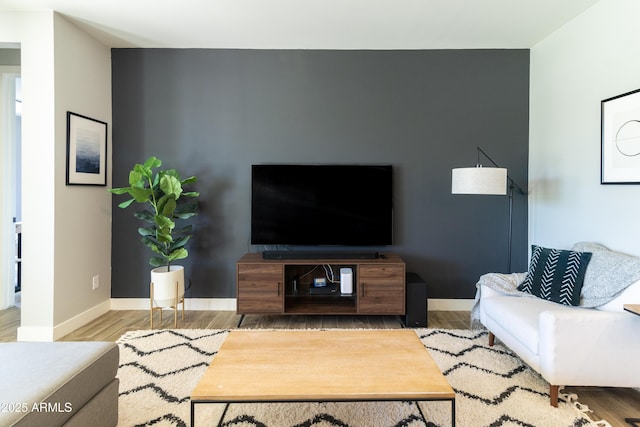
column 487, row 181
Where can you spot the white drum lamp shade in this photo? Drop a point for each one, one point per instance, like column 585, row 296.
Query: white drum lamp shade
column 479, row 180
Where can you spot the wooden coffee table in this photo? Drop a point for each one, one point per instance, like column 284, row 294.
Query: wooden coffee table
column 322, row 365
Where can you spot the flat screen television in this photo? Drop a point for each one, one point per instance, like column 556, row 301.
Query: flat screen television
column 328, row 205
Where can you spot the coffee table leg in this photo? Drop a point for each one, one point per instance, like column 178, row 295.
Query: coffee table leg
column 224, row 413
column 453, row 412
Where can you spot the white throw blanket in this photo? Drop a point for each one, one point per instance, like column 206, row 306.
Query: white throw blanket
column 608, row 274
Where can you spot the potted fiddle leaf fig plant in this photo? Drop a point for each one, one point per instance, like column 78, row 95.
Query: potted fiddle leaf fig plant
column 165, row 204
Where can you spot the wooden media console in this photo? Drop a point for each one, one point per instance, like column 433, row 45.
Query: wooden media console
column 284, row 286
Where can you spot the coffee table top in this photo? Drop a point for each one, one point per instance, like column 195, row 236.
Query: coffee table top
column 322, row 365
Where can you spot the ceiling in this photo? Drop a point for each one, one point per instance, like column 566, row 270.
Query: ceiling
column 315, row 24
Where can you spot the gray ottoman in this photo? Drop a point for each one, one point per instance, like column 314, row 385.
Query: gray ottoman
column 59, row 383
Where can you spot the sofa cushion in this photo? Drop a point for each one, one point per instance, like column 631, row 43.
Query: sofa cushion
column 520, row 314
column 51, row 381
column 556, row 275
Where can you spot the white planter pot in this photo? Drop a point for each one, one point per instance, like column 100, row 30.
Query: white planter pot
column 167, row 286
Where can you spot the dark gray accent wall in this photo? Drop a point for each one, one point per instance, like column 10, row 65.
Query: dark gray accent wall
column 214, row 113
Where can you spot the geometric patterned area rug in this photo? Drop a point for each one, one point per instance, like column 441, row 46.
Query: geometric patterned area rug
column 159, row 369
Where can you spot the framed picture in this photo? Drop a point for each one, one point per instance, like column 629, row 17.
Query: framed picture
column 621, row 139
column 86, row 150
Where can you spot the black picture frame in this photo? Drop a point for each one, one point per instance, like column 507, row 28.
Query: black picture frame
column 86, row 150
column 620, row 139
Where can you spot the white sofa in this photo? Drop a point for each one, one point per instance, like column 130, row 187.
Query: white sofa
column 567, row 345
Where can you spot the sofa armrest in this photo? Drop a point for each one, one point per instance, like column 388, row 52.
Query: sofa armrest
column 582, row 346
column 487, row 292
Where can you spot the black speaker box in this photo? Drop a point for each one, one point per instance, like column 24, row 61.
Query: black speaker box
column 416, row 304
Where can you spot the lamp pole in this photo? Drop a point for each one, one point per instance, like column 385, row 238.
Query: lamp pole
column 512, row 185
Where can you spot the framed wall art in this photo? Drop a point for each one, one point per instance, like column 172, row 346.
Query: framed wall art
column 86, row 150
column 621, row 139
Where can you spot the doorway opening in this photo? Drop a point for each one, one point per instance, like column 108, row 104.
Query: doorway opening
column 10, row 176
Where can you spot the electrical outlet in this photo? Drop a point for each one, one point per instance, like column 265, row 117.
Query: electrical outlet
column 96, row 282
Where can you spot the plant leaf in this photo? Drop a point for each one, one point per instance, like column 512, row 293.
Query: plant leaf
column 145, row 216
column 179, row 243
column 136, row 177
column 164, row 222
column 152, row 243
column 185, row 215
column 187, row 206
column 178, row 254
column 146, row 231
column 121, row 190
column 166, row 205
column 126, row 203
column 171, row 185
column 141, row 194
column 152, row 162
column 169, row 207
column 172, row 172
column 157, row 261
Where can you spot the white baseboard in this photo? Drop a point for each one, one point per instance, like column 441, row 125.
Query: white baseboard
column 81, row 319
column 52, row 333
column 450, row 304
column 200, row 304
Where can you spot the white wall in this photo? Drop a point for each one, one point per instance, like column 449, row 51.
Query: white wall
column 82, row 213
column 34, row 32
column 64, row 237
column 593, row 57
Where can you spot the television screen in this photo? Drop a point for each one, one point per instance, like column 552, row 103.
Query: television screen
column 341, row 205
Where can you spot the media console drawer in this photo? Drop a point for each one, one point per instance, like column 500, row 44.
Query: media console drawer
column 283, row 286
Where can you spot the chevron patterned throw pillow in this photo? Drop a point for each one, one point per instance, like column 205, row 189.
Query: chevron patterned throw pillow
column 556, row 275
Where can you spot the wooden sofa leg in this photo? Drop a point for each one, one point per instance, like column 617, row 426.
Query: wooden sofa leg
column 553, row 393
column 492, row 339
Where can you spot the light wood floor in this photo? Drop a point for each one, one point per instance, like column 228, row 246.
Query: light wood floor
column 611, row 404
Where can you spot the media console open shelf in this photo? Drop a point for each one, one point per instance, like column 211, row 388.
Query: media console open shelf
column 266, row 286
